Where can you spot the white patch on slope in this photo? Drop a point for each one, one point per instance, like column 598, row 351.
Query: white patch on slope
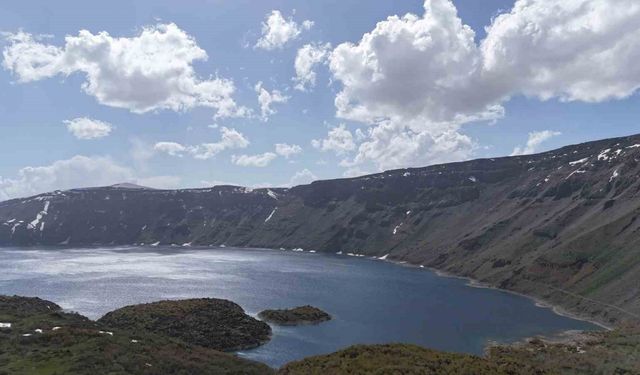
column 272, row 194
column 395, row 230
column 41, row 214
column 615, row 175
column 581, row 161
column 272, row 213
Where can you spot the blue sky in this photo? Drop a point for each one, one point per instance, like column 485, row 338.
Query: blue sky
column 570, row 103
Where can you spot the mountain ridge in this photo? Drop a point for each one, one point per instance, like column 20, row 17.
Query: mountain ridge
column 560, row 225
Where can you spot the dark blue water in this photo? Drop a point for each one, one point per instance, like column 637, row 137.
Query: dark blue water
column 371, row 301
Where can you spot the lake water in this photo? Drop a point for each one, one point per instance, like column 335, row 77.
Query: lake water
column 371, row 301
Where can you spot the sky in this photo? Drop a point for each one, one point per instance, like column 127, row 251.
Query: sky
column 280, row 92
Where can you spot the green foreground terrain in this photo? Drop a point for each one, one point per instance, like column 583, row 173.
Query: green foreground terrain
column 598, row 353
column 177, row 337
column 44, row 340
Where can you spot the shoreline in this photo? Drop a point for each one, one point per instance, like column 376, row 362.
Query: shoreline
column 539, row 302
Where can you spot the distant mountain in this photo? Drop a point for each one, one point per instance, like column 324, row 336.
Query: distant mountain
column 127, row 185
column 561, row 225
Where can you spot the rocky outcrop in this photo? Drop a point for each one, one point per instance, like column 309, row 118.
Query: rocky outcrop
column 295, row 316
column 561, row 226
column 210, row 323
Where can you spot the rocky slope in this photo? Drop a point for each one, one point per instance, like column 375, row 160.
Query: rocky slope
column 560, row 225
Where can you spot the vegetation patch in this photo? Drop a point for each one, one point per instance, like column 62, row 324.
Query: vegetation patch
column 44, row 340
column 296, row 316
column 211, row 323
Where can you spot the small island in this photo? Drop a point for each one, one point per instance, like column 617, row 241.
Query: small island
column 295, row 316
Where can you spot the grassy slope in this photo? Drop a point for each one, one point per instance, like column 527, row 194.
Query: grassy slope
column 78, row 347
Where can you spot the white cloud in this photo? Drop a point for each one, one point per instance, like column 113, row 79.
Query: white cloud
column 414, row 80
column 391, row 145
column 578, row 50
column 278, row 31
column 79, row 171
column 307, row 58
column 302, row 177
column 417, row 79
column 339, row 140
column 148, row 72
column 171, row 148
column 260, row 160
column 534, row 141
column 229, row 139
column 287, row 150
column 266, row 99
column 411, row 68
column 86, row 128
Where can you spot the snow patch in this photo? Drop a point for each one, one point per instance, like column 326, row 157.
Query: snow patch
column 614, row 175
column 5, row 325
column 384, row 257
column 604, row 154
column 39, row 217
column 581, row 161
column 577, row 171
column 395, row 230
column 271, row 214
column 155, row 244
column 272, row 194
column 473, row 179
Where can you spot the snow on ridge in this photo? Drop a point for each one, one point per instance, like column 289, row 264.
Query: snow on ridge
column 272, row 194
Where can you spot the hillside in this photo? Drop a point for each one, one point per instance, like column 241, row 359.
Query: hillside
column 38, row 337
column 561, row 226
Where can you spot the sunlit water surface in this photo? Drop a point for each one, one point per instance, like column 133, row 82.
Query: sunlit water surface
column 371, row 301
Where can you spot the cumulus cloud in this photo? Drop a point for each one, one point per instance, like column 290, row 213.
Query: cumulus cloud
column 580, row 50
column 229, row 139
column 170, row 148
column 412, row 67
column 266, row 99
column 302, row 177
column 417, row 79
column 534, row 142
column 260, row 160
column 150, row 71
column 73, row 173
column 414, row 80
column 278, row 31
column 307, row 58
column 86, row 128
column 339, row 140
column 287, row 150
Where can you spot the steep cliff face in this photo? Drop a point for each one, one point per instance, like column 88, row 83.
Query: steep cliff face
column 561, row 225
